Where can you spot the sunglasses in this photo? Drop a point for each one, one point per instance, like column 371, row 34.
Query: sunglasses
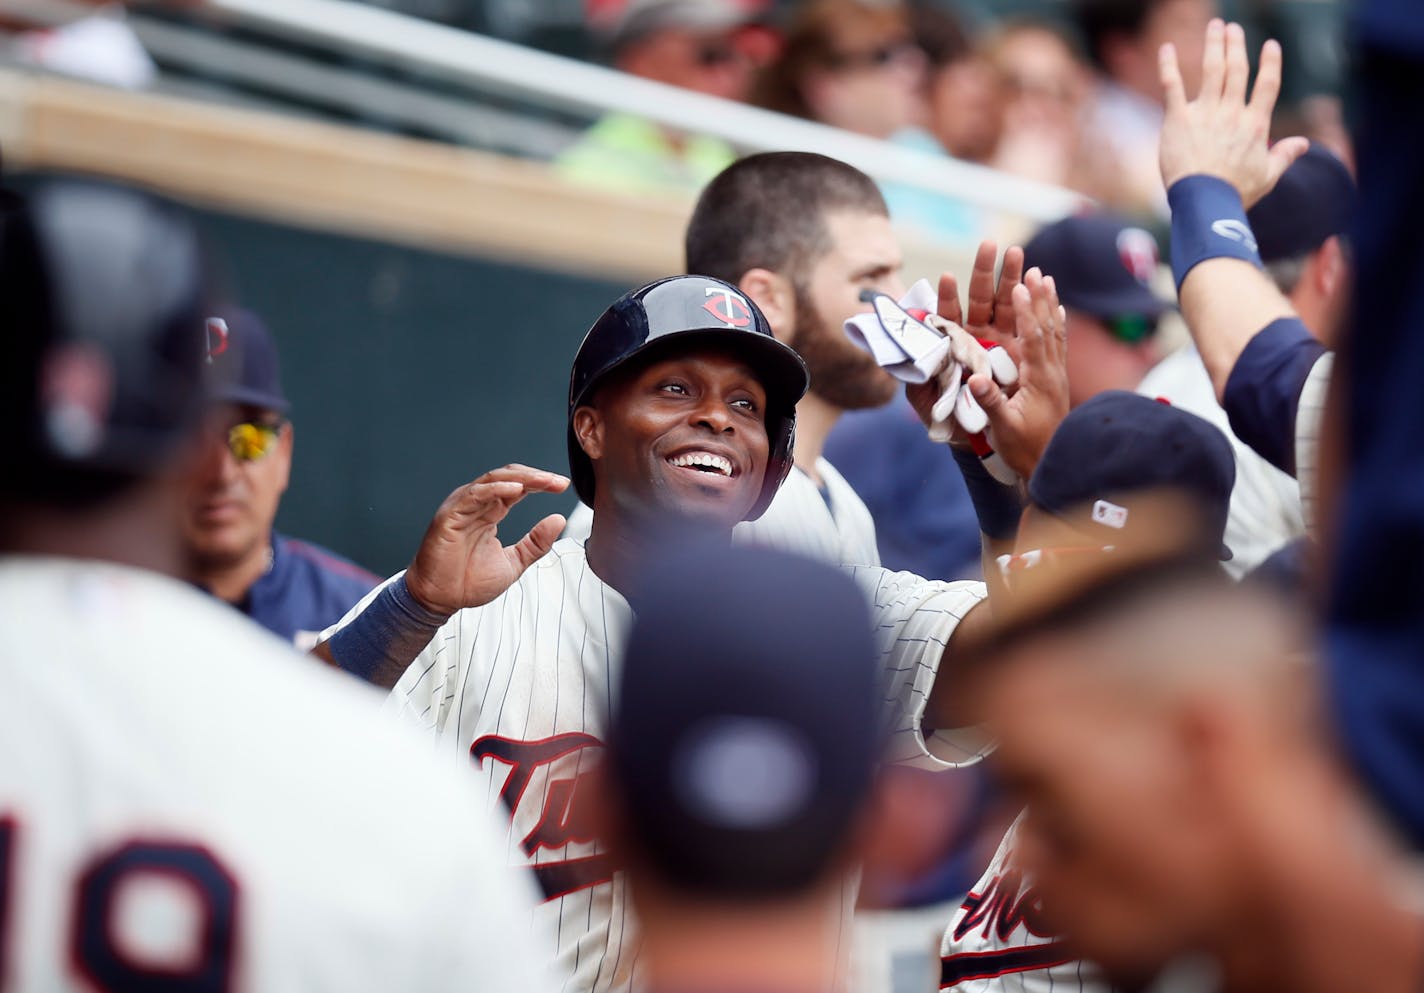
column 1132, row 329
column 251, row 441
column 875, row 58
column 717, row 54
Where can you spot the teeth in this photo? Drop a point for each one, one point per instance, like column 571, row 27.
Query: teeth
column 704, row 459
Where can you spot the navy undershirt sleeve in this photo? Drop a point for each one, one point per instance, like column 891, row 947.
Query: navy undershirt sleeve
column 1263, row 391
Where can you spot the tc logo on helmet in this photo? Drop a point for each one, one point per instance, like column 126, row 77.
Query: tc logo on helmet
column 727, row 307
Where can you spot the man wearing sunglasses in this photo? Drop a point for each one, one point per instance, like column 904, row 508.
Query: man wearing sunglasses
column 293, row 588
column 1103, row 266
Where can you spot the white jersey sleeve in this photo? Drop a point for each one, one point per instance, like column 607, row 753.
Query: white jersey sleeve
column 996, row 943
column 186, row 796
column 914, row 620
column 1265, row 511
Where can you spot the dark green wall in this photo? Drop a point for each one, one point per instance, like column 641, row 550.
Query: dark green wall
column 409, row 372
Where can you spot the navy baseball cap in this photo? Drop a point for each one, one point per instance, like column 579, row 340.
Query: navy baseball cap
column 1102, row 264
column 1119, row 446
column 1314, row 199
column 745, row 732
column 242, row 362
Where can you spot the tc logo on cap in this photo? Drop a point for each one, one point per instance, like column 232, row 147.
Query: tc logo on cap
column 1138, row 251
column 727, row 307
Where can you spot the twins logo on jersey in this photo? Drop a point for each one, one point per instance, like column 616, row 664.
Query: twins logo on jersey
column 997, row 911
column 561, row 820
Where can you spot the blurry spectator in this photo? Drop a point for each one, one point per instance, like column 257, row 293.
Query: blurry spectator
column 1045, row 88
column 852, row 64
column 293, row 588
column 1299, row 228
column 1103, row 267
column 1124, row 37
column 963, row 93
column 1321, row 118
column 855, row 64
column 693, row 44
column 741, row 755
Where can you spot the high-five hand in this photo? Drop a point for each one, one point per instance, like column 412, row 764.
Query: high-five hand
column 461, row 561
column 1221, row 133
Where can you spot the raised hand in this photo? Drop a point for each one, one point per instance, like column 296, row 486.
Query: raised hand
column 990, row 311
column 1221, row 133
column 1021, row 425
column 461, row 561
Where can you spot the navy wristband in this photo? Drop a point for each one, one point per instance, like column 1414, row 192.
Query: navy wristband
column 998, row 507
column 392, row 628
column 1208, row 222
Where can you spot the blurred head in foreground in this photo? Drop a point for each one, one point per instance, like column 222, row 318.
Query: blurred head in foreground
column 1123, row 472
column 1161, row 725
column 743, row 745
column 104, row 295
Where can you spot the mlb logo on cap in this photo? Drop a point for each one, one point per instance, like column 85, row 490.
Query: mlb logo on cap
column 1109, row 514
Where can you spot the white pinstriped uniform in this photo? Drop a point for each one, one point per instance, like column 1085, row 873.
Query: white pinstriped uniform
column 994, row 943
column 833, row 526
column 1265, row 510
column 521, row 687
column 153, row 731
column 1310, row 412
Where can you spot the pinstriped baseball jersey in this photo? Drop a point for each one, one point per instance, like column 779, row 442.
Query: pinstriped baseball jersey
column 996, row 944
column 831, row 526
column 521, row 688
column 186, row 803
column 1308, row 417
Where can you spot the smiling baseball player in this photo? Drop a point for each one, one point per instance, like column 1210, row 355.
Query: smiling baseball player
column 679, row 422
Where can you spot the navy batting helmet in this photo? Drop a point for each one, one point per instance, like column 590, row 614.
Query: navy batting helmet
column 689, row 311
column 102, row 298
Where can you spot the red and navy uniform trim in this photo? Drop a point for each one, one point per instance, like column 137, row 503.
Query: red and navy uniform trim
column 963, row 967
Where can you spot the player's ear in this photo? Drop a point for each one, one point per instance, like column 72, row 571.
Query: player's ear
column 774, row 294
column 588, row 429
column 286, row 440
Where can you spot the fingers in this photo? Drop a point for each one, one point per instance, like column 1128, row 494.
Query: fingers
column 1171, row 76
column 949, row 307
column 1238, row 66
column 981, row 286
column 533, row 480
column 1268, row 81
column 1213, row 62
column 1027, row 316
column 536, row 544
column 1009, row 277
column 1280, row 158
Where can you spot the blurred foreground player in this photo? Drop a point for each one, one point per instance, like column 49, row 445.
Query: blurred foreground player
column 151, row 835
column 292, row 588
column 742, row 747
column 1186, row 816
column 1093, row 496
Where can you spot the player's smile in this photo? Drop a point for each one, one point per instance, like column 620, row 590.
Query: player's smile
column 687, row 434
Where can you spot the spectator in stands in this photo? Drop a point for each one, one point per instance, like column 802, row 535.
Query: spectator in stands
column 1045, row 88
column 1103, row 267
column 1124, row 37
column 962, row 91
column 293, row 588
column 855, row 64
column 694, row 44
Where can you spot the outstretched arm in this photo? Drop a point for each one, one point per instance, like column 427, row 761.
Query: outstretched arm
column 1216, row 162
column 460, row 563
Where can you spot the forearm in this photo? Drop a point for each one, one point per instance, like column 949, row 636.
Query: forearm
column 1225, row 296
column 1226, row 302
column 379, row 644
column 998, row 508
